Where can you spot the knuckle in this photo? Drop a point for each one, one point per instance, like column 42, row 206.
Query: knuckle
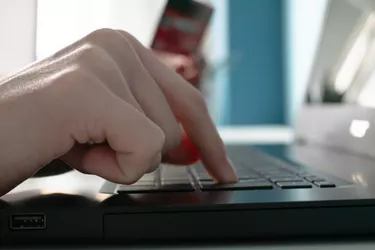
column 73, row 78
column 101, row 34
column 108, row 39
column 70, row 76
column 129, row 38
column 73, row 84
column 125, row 34
column 90, row 54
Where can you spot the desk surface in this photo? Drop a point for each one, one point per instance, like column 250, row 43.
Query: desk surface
column 264, row 135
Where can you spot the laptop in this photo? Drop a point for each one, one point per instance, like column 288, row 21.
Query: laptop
column 320, row 185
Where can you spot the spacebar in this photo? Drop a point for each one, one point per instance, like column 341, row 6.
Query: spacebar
column 236, row 186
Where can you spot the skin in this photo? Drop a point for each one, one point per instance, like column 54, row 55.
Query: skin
column 107, row 106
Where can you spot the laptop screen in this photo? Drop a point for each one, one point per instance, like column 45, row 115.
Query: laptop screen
column 344, row 67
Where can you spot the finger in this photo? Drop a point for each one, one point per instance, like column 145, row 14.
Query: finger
column 94, row 59
column 142, row 86
column 75, row 155
column 134, row 142
column 103, row 161
column 190, row 109
column 185, row 154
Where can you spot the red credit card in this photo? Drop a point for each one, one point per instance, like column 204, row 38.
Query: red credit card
column 181, row 27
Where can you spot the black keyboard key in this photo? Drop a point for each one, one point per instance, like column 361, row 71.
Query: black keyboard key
column 181, row 187
column 137, row 189
column 145, row 182
column 208, row 182
column 151, row 177
column 279, row 176
column 303, row 173
column 249, row 177
column 286, row 179
column 235, row 186
column 277, row 173
column 176, row 179
column 244, row 171
column 314, row 178
column 294, row 184
column 199, row 169
column 324, row 184
column 173, row 172
column 204, row 178
column 165, row 182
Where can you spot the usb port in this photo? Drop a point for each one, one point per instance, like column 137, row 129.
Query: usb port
column 27, row 221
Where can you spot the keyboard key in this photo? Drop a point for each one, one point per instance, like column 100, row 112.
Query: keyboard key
column 249, row 177
column 137, row 188
column 148, row 177
column 208, row 182
column 236, row 186
column 176, row 179
column 245, row 171
column 259, row 179
column 277, row 173
column 286, row 179
column 314, row 178
column 324, row 184
column 294, row 184
column 145, row 182
column 173, row 172
column 303, row 173
column 200, row 169
column 165, row 182
column 204, row 178
column 279, row 176
column 182, row 187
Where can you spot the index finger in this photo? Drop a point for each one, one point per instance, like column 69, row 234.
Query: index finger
column 189, row 107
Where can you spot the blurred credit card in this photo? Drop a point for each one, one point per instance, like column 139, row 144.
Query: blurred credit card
column 181, row 27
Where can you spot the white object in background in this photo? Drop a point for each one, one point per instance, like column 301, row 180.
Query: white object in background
column 304, row 26
column 256, row 134
column 60, row 22
column 17, row 31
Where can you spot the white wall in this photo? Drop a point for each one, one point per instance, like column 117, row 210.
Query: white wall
column 304, row 25
column 60, row 22
column 31, row 29
column 17, row 34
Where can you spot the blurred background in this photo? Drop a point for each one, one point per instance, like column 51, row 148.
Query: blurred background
column 259, row 52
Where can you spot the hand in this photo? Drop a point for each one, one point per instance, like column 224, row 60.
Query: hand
column 190, row 68
column 107, row 106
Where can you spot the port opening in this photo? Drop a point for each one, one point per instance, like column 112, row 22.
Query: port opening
column 27, row 221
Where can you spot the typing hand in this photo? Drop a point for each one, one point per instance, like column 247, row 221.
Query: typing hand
column 189, row 67
column 107, row 106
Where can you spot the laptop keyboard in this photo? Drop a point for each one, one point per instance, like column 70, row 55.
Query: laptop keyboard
column 264, row 172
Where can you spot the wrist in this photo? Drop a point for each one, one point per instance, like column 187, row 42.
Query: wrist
column 27, row 142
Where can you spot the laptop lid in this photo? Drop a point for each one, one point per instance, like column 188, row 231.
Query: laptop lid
column 339, row 106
